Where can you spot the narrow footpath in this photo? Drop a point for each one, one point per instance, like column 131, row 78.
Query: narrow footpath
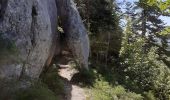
column 72, row 91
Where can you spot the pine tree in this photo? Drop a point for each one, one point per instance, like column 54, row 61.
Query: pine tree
column 142, row 71
column 102, row 21
column 147, row 22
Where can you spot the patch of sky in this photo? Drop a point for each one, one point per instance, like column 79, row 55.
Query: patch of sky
column 123, row 2
column 123, row 21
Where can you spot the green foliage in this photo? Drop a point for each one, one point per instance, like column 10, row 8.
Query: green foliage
column 100, row 14
column 162, row 84
column 142, row 69
column 37, row 91
column 53, row 81
column 25, row 90
column 103, row 91
column 149, row 96
column 102, row 22
column 163, row 4
column 50, row 87
column 165, row 32
column 146, row 20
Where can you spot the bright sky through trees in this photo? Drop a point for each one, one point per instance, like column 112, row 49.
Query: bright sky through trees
column 165, row 19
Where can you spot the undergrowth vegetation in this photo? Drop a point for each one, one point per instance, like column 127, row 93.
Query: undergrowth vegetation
column 50, row 86
column 127, row 62
column 53, row 80
column 139, row 75
column 37, row 91
column 102, row 90
column 26, row 90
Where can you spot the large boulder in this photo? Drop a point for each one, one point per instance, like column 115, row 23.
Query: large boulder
column 30, row 25
column 75, row 32
column 29, row 38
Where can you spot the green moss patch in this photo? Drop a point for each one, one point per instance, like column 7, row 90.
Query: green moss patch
column 37, row 91
column 25, row 90
column 8, row 49
column 53, row 81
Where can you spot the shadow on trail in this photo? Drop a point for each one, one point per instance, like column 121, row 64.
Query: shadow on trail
column 83, row 79
column 67, row 89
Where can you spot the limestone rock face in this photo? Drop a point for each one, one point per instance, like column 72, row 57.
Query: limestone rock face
column 30, row 28
column 76, row 35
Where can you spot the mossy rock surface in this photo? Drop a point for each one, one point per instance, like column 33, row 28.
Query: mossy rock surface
column 26, row 90
column 8, row 49
column 53, row 81
column 36, row 92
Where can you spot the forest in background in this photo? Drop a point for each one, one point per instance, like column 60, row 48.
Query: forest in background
column 129, row 54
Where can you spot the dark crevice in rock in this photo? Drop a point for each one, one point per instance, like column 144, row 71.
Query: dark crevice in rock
column 3, row 5
column 23, row 71
column 34, row 14
column 34, row 11
column 33, row 39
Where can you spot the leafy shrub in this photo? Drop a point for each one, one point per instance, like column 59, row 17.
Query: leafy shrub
column 53, row 81
column 103, row 91
column 37, row 91
column 149, row 95
column 25, row 90
column 142, row 70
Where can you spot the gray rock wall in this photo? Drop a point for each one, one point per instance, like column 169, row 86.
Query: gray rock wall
column 28, row 23
column 31, row 28
column 76, row 34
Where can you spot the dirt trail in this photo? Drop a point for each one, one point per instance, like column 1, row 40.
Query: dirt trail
column 73, row 92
